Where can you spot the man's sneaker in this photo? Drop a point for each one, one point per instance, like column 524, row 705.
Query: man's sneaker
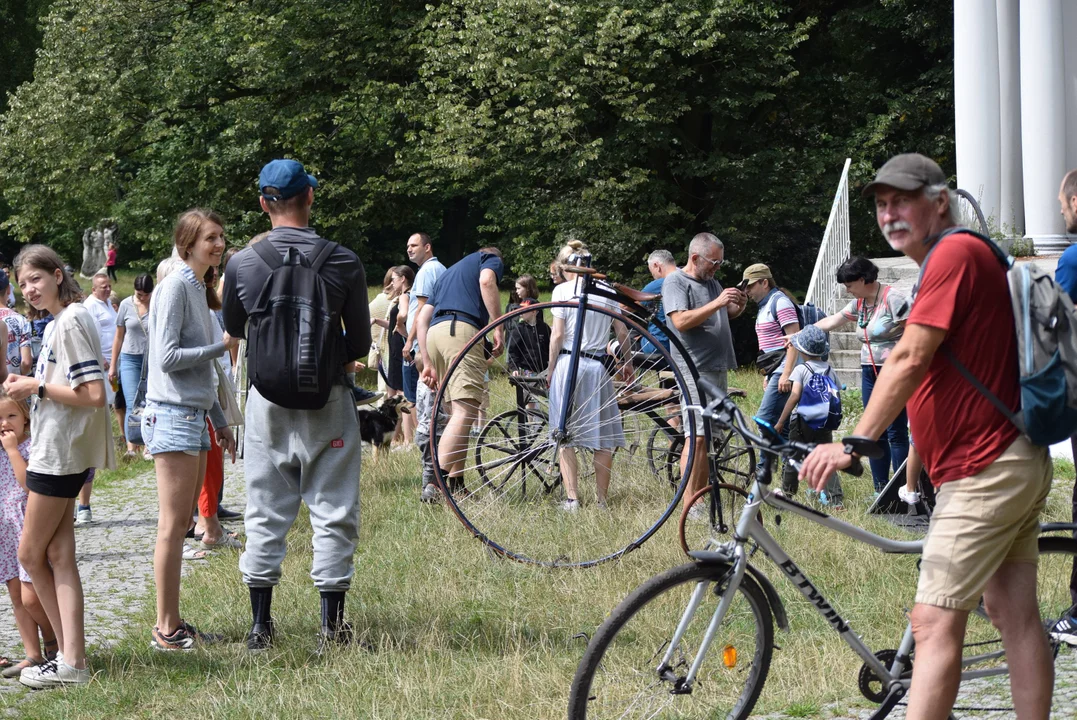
column 186, row 637
column 571, row 506
column 83, row 515
column 430, row 494
column 224, row 514
column 1065, row 630
column 53, row 674
column 260, row 637
column 363, row 396
column 910, row 497
column 697, row 513
column 601, row 505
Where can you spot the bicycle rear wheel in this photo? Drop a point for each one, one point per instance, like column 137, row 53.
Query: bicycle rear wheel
column 983, row 653
column 620, row 674
column 511, row 492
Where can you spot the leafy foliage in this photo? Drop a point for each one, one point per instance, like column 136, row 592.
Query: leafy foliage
column 632, row 124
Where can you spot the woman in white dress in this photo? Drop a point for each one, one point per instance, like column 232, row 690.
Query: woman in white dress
column 594, row 422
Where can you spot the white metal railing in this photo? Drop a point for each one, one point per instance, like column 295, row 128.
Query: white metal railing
column 823, row 290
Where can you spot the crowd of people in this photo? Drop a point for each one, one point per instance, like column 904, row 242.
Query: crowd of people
column 165, row 354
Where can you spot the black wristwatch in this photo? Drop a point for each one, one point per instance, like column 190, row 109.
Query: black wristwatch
column 41, row 390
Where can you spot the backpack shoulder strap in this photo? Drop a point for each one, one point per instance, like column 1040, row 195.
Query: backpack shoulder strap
column 269, row 254
column 321, row 253
column 967, row 374
column 1003, row 257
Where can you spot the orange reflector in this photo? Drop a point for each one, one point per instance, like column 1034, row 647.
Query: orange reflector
column 729, row 656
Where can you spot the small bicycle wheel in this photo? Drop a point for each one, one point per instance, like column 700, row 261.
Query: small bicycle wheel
column 512, row 491
column 720, row 516
column 734, row 459
column 622, row 673
column 664, row 447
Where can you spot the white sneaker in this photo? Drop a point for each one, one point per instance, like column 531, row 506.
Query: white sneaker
column 571, row 506
column 83, row 516
column 910, row 497
column 601, row 505
column 697, row 513
column 53, row 674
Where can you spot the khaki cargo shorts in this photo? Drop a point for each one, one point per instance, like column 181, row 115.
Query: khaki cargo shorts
column 468, row 380
column 981, row 522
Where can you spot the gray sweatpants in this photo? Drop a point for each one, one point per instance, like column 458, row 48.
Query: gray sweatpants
column 301, row 455
column 424, row 408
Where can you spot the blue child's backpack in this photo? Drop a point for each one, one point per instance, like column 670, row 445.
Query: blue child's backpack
column 820, row 402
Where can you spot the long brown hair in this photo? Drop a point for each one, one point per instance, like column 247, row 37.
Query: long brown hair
column 45, row 259
column 405, row 272
column 188, row 229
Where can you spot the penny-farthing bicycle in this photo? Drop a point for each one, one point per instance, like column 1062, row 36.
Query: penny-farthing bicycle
column 511, row 492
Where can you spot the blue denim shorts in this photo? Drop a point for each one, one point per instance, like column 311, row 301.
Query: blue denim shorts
column 174, row 428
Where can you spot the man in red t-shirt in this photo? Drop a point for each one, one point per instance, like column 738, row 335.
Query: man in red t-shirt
column 992, row 482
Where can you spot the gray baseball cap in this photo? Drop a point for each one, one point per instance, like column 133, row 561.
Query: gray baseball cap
column 909, row 171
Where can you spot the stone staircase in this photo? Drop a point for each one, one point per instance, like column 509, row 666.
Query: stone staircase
column 845, row 347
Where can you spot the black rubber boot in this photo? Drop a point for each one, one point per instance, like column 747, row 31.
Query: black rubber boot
column 261, row 635
column 334, row 630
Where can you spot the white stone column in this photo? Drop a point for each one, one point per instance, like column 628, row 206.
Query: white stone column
column 1069, row 29
column 1043, row 120
column 976, row 102
column 1011, row 218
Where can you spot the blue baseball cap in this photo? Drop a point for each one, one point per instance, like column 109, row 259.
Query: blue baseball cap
column 287, row 176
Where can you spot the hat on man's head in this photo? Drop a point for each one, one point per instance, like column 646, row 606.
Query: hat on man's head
column 288, row 178
column 811, row 341
column 909, row 171
column 759, row 271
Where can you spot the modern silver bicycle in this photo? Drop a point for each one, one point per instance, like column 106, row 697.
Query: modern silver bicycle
column 697, row 640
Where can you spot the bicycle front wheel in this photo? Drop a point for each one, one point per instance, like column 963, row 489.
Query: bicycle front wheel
column 515, row 460
column 622, row 674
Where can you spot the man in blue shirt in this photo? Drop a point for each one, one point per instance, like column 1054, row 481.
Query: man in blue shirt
column 1066, row 272
column 465, row 300
column 660, row 263
column 1066, row 277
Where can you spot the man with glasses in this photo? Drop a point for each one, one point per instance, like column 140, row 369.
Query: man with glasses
column 699, row 311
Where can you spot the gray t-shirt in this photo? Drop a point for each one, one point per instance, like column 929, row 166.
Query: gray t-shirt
column 134, row 336
column 710, row 343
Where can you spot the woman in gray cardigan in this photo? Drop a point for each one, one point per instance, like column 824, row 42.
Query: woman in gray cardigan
column 180, row 393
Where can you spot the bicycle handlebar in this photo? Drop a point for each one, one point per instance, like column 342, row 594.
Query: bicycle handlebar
column 724, row 411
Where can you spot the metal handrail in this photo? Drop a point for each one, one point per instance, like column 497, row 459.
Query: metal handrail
column 823, row 290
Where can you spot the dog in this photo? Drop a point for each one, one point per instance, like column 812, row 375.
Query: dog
column 378, row 425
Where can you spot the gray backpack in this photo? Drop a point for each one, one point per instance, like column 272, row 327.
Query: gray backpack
column 1046, row 334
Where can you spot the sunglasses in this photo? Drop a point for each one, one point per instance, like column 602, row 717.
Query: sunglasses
column 715, row 264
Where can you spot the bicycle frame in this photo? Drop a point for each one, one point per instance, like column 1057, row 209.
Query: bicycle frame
column 733, row 552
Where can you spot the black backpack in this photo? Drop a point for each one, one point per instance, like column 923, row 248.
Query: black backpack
column 292, row 335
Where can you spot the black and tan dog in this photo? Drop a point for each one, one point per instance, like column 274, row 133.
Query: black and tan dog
column 378, row 425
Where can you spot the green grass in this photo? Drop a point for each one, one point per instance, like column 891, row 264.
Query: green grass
column 456, row 633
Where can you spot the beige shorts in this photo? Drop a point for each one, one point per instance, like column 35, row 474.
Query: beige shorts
column 468, row 380
column 981, row 522
column 719, row 378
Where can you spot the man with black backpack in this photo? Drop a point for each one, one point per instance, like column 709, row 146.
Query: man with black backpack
column 992, row 480
column 301, row 302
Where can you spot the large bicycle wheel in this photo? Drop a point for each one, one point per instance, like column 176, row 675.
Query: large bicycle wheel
column 719, row 519
column 511, row 493
column 622, row 674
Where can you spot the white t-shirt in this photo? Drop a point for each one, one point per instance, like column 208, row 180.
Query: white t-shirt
column 67, row 439
column 105, row 316
column 596, row 326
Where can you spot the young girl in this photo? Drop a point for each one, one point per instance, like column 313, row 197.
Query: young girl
column 72, row 433
column 180, row 392
column 29, row 615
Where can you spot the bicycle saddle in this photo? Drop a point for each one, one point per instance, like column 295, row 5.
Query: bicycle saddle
column 636, row 295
